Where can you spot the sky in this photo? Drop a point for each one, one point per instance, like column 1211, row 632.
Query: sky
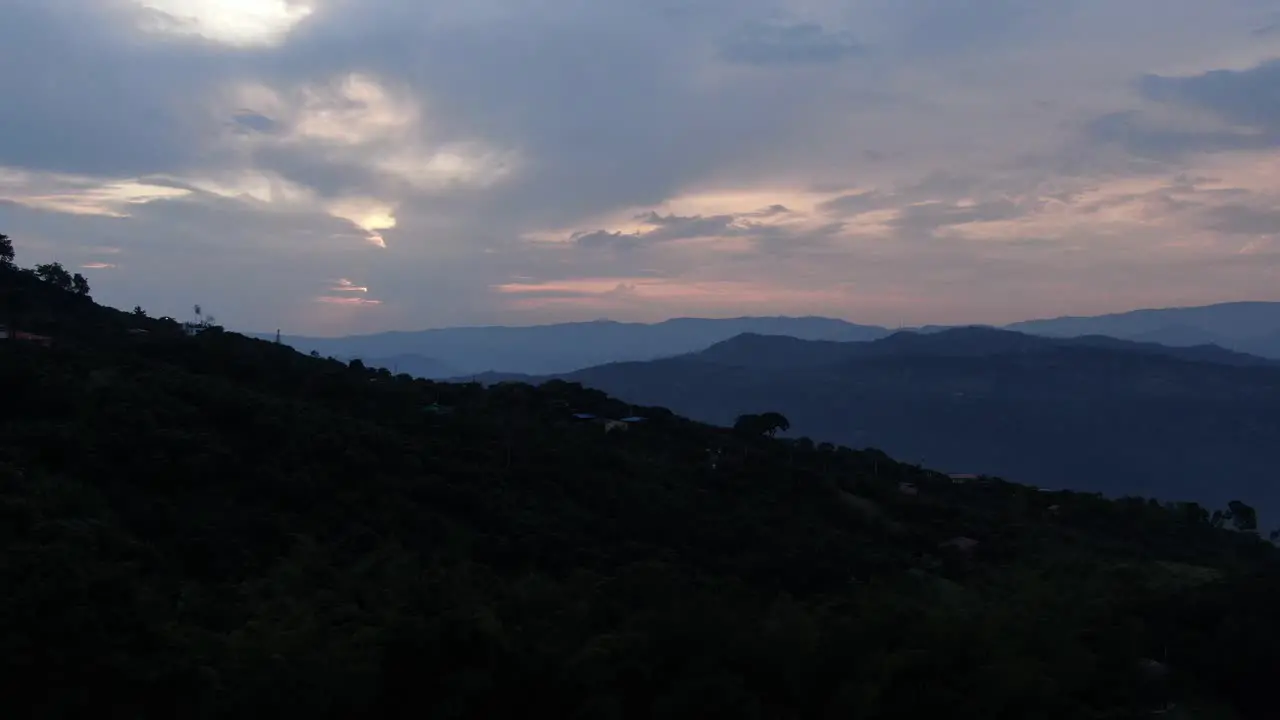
column 331, row 167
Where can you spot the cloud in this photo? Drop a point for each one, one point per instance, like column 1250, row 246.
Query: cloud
column 1223, row 110
column 1244, row 219
column 855, row 203
column 789, row 44
column 98, row 266
column 772, row 224
column 81, row 195
column 929, row 217
column 343, row 300
column 345, row 285
column 234, row 22
column 1242, row 97
column 922, row 161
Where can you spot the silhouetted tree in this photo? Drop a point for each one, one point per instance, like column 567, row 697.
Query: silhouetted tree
column 80, row 284
column 1243, row 517
column 56, row 275
column 773, row 422
column 139, row 312
column 756, row 425
column 6, row 251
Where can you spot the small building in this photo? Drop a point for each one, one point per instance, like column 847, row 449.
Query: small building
column 907, row 488
column 611, row 425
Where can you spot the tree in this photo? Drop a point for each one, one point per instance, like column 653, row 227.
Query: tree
column 54, row 274
column 767, row 424
column 749, row 425
column 6, row 251
column 139, row 312
column 773, row 422
column 1243, row 517
column 80, row 284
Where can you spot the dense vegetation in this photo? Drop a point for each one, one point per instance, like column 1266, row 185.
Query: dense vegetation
column 214, row 526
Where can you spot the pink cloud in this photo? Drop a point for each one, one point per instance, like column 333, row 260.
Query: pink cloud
column 334, row 300
column 98, row 266
column 614, row 292
column 345, row 285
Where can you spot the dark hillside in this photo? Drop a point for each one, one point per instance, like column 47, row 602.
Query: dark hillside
column 1091, row 414
column 214, row 526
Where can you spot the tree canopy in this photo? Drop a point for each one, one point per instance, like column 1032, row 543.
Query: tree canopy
column 215, row 526
column 768, row 423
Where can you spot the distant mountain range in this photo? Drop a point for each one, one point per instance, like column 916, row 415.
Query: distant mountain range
column 544, row 349
column 1091, row 413
column 1247, row 327
column 1251, row 327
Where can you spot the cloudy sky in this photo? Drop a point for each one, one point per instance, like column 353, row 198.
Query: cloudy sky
column 341, row 166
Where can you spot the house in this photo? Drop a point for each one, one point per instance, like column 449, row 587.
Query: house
column 192, row 329
column 611, row 425
column 907, row 488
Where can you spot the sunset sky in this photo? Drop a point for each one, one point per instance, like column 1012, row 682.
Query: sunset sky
column 344, row 166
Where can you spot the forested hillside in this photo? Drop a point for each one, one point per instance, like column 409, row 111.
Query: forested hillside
column 1093, row 414
column 197, row 524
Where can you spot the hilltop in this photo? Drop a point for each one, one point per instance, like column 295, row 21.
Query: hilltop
column 200, row 524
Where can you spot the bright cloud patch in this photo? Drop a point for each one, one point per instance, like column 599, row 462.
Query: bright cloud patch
column 344, row 292
column 359, row 120
column 234, row 22
column 368, row 214
column 345, row 285
column 338, row 300
column 79, row 195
